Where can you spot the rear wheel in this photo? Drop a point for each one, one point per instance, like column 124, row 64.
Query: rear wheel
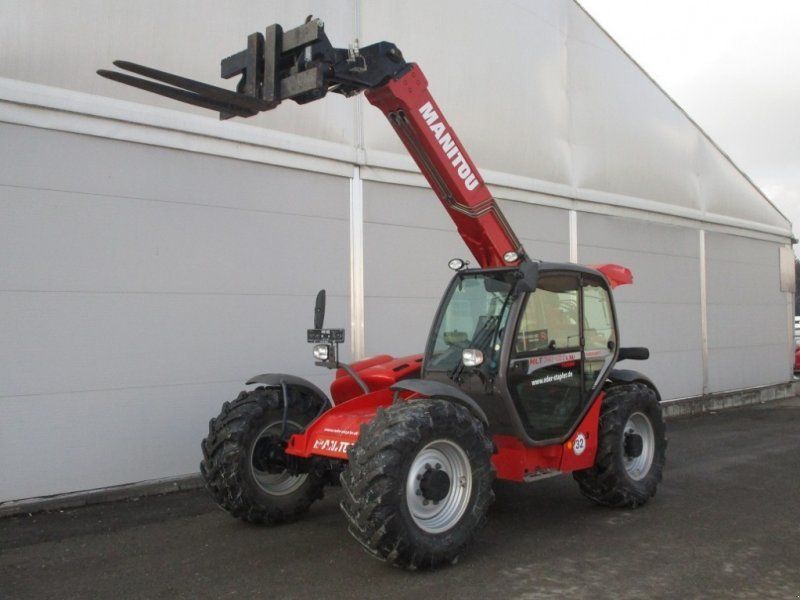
column 418, row 483
column 631, row 448
column 244, row 465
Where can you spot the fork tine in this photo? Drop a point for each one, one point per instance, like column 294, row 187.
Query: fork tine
column 188, row 97
column 209, row 91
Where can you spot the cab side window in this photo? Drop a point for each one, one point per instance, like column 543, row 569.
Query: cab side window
column 598, row 330
column 550, row 320
column 598, row 320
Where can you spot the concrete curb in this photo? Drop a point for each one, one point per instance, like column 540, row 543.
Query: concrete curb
column 695, row 405
column 680, row 407
column 116, row 493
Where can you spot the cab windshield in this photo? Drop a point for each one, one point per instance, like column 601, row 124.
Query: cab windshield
column 474, row 315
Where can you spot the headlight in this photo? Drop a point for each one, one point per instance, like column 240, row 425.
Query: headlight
column 471, row 357
column 510, row 257
column 321, row 351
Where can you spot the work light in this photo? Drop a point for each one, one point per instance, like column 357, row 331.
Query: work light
column 321, row 351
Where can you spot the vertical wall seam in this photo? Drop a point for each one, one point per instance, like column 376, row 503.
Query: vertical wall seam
column 703, row 309
column 357, row 336
column 356, row 265
column 573, row 236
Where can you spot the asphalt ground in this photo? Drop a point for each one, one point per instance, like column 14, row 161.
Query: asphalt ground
column 725, row 524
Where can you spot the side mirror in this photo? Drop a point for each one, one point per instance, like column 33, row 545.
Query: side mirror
column 471, row 357
column 319, row 310
column 633, row 354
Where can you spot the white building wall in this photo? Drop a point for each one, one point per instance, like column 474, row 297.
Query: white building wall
column 661, row 310
column 408, row 241
column 155, row 258
column 749, row 318
column 139, row 288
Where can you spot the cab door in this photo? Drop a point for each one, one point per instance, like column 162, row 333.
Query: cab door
column 564, row 345
column 545, row 375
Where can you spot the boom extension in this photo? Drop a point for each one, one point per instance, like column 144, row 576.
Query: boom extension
column 302, row 65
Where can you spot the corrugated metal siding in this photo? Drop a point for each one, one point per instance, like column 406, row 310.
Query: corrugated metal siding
column 408, row 241
column 661, row 310
column 140, row 288
column 749, row 329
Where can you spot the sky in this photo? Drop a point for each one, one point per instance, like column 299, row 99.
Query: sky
column 734, row 66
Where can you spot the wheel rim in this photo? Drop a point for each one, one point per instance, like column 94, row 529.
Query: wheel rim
column 276, row 484
column 638, row 467
column 439, row 486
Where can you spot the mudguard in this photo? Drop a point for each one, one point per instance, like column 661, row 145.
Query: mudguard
column 629, row 376
column 278, row 380
column 442, row 390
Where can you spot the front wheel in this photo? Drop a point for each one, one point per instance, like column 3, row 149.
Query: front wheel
column 418, row 483
column 631, row 449
column 243, row 460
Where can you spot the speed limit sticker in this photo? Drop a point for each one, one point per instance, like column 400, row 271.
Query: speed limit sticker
column 579, row 445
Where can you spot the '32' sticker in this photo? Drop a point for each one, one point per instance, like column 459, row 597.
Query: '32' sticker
column 579, row 445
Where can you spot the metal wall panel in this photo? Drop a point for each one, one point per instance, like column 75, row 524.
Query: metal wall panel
column 408, row 239
column 69, row 442
column 661, row 310
column 749, row 329
column 140, row 288
column 543, row 231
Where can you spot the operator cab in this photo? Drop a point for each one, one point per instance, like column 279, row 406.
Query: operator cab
column 531, row 346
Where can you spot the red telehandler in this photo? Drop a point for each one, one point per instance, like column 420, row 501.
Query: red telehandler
column 518, row 377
